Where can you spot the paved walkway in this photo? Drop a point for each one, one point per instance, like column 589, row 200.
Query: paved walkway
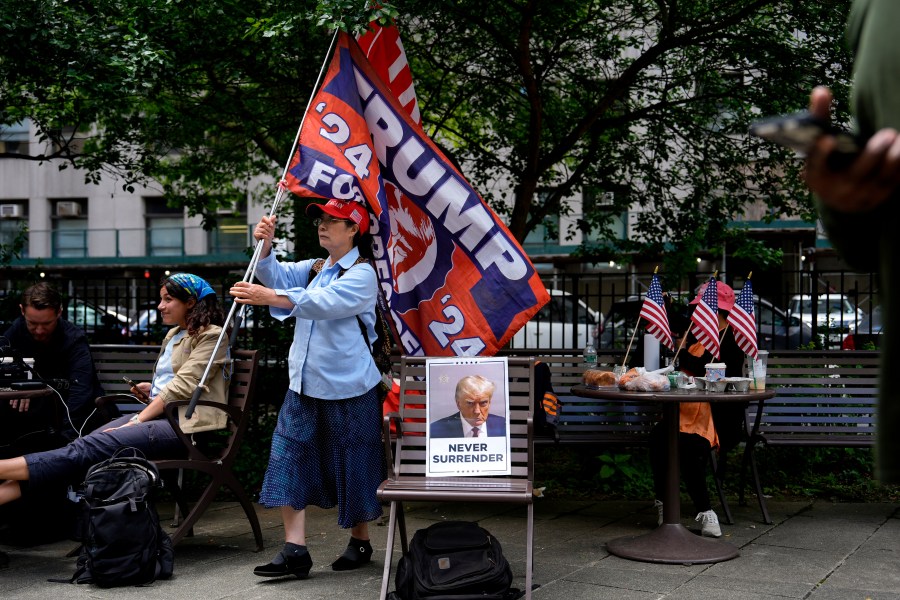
column 815, row 550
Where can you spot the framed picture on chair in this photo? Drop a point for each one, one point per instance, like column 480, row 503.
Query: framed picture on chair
column 467, row 402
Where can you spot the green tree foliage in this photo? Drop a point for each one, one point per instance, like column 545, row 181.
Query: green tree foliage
column 646, row 99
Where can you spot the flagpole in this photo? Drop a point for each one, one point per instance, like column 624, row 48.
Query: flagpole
column 628, row 350
column 260, row 244
column 636, row 325
column 681, row 345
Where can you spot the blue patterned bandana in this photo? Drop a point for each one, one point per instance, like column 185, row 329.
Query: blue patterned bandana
column 193, row 285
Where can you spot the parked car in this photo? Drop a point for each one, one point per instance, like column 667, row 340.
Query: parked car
column 868, row 334
column 561, row 323
column 102, row 325
column 835, row 316
column 146, row 327
column 775, row 329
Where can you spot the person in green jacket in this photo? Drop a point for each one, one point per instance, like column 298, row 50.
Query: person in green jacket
column 859, row 203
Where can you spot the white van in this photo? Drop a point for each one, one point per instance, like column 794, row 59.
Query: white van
column 835, row 315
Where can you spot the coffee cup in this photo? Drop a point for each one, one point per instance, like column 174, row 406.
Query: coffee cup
column 715, row 371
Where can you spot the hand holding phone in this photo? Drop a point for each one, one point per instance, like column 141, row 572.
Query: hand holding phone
column 799, row 131
column 138, row 391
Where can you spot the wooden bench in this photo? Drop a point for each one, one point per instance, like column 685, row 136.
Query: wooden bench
column 589, row 421
column 115, row 361
column 823, row 399
column 215, row 459
column 407, row 480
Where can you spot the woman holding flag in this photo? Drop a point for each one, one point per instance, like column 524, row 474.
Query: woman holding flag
column 326, row 447
column 702, row 426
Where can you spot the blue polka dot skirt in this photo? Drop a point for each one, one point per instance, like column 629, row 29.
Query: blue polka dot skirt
column 327, row 453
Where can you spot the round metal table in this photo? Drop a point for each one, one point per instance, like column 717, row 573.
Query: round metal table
column 7, row 393
column 672, row 542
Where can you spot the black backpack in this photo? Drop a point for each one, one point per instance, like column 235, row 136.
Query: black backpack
column 454, row 560
column 381, row 349
column 122, row 542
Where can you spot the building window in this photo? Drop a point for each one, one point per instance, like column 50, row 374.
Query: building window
column 70, row 231
column 165, row 228
column 231, row 234
column 599, row 207
column 13, row 227
column 547, row 232
column 14, row 138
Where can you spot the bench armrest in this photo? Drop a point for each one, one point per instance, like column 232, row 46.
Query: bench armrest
column 171, row 414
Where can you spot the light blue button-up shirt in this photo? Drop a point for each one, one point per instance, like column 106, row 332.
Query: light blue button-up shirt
column 328, row 358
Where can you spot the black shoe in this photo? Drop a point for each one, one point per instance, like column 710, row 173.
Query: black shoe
column 298, row 566
column 358, row 553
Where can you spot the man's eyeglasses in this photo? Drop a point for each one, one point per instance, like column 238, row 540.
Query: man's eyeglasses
column 328, row 221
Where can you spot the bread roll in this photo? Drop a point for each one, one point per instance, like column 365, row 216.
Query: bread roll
column 599, row 378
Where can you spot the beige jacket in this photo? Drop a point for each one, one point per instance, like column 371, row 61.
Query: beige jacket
column 190, row 356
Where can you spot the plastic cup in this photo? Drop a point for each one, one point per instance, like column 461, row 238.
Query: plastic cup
column 756, row 370
column 715, row 371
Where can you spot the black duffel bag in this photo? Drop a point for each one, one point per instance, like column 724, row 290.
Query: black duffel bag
column 454, row 560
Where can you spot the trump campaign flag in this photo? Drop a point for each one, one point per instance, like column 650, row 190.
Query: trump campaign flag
column 742, row 322
column 383, row 48
column 654, row 310
column 705, row 319
column 455, row 279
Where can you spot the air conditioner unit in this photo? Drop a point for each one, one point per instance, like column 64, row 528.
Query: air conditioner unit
column 68, row 209
column 606, row 199
column 11, row 211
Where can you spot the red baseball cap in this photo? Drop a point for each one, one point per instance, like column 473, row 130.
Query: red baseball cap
column 723, row 291
column 352, row 211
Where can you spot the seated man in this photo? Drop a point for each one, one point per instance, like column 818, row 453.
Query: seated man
column 62, row 358
column 473, row 399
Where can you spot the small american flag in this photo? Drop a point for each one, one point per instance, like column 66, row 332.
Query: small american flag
column 705, row 320
column 655, row 312
column 742, row 322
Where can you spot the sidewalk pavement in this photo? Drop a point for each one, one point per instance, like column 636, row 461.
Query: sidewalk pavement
column 815, row 549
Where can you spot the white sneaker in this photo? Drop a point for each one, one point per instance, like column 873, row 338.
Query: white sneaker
column 659, row 512
column 709, row 524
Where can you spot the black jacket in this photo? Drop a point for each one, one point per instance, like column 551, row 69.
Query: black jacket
column 66, row 357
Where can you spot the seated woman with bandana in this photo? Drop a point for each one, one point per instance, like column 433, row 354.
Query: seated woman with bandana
column 189, row 305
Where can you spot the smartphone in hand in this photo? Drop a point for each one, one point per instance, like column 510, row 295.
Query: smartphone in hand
column 799, row 131
column 138, row 392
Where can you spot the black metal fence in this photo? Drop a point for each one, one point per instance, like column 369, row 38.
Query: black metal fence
column 808, row 308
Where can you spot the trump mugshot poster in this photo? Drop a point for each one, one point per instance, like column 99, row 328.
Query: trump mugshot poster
column 467, row 400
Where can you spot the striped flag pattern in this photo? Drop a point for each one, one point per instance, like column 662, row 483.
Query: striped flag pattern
column 742, row 322
column 705, row 320
column 654, row 310
column 383, row 48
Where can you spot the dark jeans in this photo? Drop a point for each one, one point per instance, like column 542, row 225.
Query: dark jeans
column 156, row 439
column 693, row 455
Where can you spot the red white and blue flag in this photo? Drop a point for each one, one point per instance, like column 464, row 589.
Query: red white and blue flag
column 383, row 48
column 456, row 280
column 654, row 311
column 705, row 319
column 742, row 322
